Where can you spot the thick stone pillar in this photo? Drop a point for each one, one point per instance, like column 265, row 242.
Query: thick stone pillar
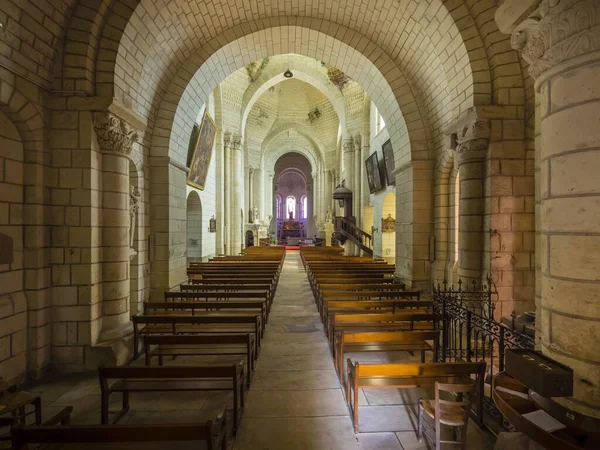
column 115, row 138
column 315, row 197
column 237, row 195
column 250, row 218
column 322, row 196
column 227, row 184
column 472, row 141
column 356, row 198
column 258, row 194
column 561, row 42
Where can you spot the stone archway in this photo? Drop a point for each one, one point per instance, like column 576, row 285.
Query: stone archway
column 194, row 227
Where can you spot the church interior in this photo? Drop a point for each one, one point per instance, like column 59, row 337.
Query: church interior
column 254, row 220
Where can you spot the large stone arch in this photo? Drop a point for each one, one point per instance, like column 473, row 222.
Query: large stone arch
column 204, row 71
column 271, row 156
column 31, row 168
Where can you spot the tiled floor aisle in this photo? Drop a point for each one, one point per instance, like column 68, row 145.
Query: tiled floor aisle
column 295, row 400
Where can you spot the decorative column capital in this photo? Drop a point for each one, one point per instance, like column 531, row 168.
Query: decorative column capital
column 472, row 141
column 114, row 134
column 348, row 145
column 357, row 140
column 551, row 32
column 251, row 170
column 236, row 142
column 227, row 139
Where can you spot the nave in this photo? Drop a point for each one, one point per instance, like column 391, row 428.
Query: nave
column 295, row 400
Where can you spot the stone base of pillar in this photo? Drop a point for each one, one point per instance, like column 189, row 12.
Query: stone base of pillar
column 115, row 350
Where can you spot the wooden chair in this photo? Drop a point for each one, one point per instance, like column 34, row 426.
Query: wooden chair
column 440, row 412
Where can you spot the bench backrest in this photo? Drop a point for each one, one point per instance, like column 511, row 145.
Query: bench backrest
column 189, row 306
column 377, row 294
column 214, row 294
column 389, row 336
column 368, row 370
column 82, row 434
column 412, row 315
column 190, row 320
column 197, row 339
column 364, row 304
column 169, row 372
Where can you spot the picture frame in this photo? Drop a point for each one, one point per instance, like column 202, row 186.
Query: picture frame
column 388, row 162
column 193, row 142
column 373, row 173
column 201, row 159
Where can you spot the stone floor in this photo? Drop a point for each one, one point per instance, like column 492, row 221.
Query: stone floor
column 295, row 401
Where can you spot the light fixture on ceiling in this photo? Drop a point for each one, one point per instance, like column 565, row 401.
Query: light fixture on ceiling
column 288, row 73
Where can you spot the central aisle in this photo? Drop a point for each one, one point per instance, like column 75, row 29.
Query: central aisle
column 295, row 401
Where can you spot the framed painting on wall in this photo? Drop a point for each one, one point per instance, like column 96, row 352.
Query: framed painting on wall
column 202, row 153
column 193, row 143
column 388, row 162
column 373, row 173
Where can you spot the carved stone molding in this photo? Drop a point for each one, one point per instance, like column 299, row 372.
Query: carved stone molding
column 227, row 140
column 114, row 134
column 236, row 142
column 348, row 146
column 557, row 31
column 472, row 141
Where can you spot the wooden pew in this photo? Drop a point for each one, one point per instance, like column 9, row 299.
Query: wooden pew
column 228, row 287
column 369, row 306
column 214, row 377
column 57, row 430
column 398, row 321
column 384, row 341
column 194, row 296
column 202, row 344
column 191, row 308
column 181, row 324
column 325, row 296
column 401, row 376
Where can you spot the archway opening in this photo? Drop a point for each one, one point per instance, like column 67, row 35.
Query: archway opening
column 194, row 228
column 388, row 228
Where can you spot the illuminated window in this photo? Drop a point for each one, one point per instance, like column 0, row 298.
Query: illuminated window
column 304, row 207
column 290, row 207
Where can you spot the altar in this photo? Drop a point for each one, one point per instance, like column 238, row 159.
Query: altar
column 291, row 229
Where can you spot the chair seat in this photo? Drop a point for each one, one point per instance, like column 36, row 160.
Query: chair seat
column 451, row 415
column 9, row 401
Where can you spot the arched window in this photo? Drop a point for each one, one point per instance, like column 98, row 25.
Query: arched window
column 304, row 207
column 278, row 209
column 290, row 207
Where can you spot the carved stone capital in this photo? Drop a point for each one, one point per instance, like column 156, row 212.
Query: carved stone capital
column 472, row 141
column 554, row 32
column 227, row 139
column 236, row 142
column 114, row 134
column 348, row 146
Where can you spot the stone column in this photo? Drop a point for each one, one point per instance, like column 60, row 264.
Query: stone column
column 250, row 193
column 259, row 186
column 238, row 195
column 227, row 184
column 348, row 149
column 270, row 195
column 356, row 198
column 315, row 183
column 115, row 138
column 472, row 142
column 561, row 42
column 364, row 153
column 322, row 195
column 348, row 152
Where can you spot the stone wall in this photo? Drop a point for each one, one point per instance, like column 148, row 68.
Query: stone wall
column 13, row 301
